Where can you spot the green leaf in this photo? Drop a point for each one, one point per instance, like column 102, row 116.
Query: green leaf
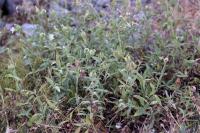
column 13, row 76
column 157, row 99
column 141, row 99
column 78, row 130
column 50, row 81
column 57, row 88
column 58, row 59
column 84, row 36
column 35, row 119
column 153, row 89
column 51, row 104
column 140, row 111
column 182, row 75
column 87, row 120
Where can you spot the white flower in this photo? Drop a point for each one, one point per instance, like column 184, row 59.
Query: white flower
column 51, row 37
column 118, row 125
column 92, row 51
column 12, row 30
column 166, row 60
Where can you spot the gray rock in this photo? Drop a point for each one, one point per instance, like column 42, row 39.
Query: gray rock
column 140, row 16
column 68, row 4
column 2, row 50
column 29, row 29
column 2, row 24
column 57, row 9
column 143, row 2
column 7, row 7
column 2, row 2
column 102, row 3
column 6, row 26
column 9, row 26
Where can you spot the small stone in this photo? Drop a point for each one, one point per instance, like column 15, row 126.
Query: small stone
column 57, row 9
column 2, row 24
column 29, row 29
column 102, row 3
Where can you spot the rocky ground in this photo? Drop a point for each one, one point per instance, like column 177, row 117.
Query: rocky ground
column 26, row 8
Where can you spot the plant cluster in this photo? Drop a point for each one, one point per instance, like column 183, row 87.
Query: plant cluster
column 94, row 72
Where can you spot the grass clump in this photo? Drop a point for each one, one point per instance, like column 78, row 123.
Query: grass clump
column 85, row 73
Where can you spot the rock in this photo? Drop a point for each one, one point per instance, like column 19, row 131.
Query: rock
column 6, row 26
column 2, row 49
column 7, row 7
column 101, row 3
column 29, row 29
column 2, row 24
column 57, row 9
column 26, row 6
column 143, row 2
column 9, row 26
column 18, row 2
column 68, row 4
column 140, row 16
column 2, row 3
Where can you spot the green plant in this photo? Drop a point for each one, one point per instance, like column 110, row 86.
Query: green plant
column 96, row 77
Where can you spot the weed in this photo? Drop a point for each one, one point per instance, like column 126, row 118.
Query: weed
column 102, row 75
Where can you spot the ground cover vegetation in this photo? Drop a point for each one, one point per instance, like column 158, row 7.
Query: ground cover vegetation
column 99, row 72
